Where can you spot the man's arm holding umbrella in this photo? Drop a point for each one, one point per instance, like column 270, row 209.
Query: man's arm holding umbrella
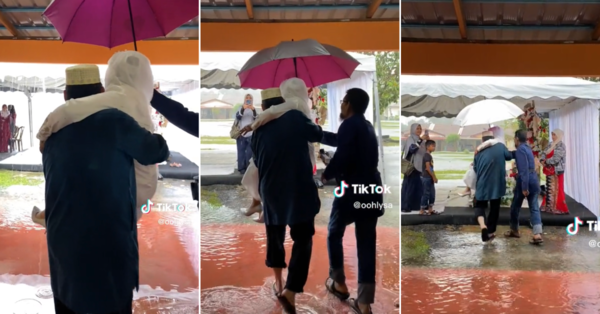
column 175, row 112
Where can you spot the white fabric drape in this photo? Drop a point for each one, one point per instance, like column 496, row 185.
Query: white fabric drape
column 337, row 90
column 579, row 121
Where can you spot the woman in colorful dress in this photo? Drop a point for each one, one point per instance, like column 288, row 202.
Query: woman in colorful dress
column 4, row 129
column 553, row 160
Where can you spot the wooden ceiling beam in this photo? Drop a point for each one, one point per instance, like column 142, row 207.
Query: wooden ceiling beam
column 373, row 6
column 8, row 24
column 596, row 32
column 462, row 24
column 249, row 9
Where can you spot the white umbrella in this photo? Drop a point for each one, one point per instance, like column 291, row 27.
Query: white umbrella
column 487, row 112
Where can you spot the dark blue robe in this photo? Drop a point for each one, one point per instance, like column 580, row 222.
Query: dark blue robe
column 286, row 184
column 355, row 162
column 490, row 167
column 91, row 209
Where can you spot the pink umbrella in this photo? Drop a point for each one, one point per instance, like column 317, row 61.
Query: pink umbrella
column 315, row 63
column 110, row 23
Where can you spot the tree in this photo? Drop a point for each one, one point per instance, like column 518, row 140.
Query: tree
column 388, row 78
column 452, row 138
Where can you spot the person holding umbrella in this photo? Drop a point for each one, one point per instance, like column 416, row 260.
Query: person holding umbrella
column 355, row 162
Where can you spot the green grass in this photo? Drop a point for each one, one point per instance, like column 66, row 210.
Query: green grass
column 448, row 174
column 414, row 244
column 393, row 141
column 211, row 198
column 216, row 140
column 10, row 178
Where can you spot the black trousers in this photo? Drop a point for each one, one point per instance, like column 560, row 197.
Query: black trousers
column 302, row 235
column 60, row 308
column 492, row 219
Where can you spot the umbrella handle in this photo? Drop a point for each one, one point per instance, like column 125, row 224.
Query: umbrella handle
column 132, row 27
column 295, row 67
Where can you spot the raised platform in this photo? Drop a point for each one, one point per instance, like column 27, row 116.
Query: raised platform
column 466, row 216
column 30, row 160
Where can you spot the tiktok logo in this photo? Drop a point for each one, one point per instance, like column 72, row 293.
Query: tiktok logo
column 573, row 228
column 340, row 190
column 146, row 208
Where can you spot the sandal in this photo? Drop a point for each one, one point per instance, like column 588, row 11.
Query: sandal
column 535, row 241
column 485, row 237
column 354, row 306
column 330, row 285
column 286, row 305
column 275, row 292
column 512, row 234
column 434, row 212
column 424, row 213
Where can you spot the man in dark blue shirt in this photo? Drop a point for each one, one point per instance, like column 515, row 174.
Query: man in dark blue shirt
column 528, row 187
column 354, row 162
column 91, row 208
column 176, row 113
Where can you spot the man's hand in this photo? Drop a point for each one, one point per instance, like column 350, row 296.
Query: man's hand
column 246, row 129
column 526, row 193
column 435, row 180
column 42, row 143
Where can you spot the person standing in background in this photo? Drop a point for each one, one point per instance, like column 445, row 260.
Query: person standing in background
column 244, row 117
column 5, row 130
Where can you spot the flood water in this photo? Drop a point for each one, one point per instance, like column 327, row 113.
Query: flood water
column 168, row 255
column 449, row 270
column 234, row 276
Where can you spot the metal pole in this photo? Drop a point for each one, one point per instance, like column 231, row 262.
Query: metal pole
column 377, row 116
column 132, row 28
column 30, row 108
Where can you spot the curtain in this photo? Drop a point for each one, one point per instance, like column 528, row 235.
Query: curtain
column 337, row 90
column 579, row 122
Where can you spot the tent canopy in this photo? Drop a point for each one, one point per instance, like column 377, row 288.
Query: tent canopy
column 446, row 96
column 219, row 69
column 51, row 77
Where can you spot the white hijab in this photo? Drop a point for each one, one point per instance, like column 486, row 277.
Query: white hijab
column 129, row 88
column 559, row 136
column 4, row 113
column 295, row 94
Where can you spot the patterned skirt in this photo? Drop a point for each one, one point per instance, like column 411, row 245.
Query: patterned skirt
column 555, row 201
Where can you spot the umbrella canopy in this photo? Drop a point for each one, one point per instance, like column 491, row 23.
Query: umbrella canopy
column 487, row 112
column 316, row 64
column 107, row 23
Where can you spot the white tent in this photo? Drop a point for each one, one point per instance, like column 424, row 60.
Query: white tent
column 572, row 105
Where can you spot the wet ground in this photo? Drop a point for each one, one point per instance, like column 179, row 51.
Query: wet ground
column 235, row 279
column 168, row 253
column 449, row 270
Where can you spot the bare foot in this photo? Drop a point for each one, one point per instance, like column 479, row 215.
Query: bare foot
column 290, row 296
column 260, row 218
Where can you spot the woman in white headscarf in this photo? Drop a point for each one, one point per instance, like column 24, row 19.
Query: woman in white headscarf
column 412, row 187
column 553, row 160
column 129, row 88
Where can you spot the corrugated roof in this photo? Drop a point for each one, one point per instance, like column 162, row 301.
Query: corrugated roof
column 501, row 20
column 26, row 16
column 297, row 10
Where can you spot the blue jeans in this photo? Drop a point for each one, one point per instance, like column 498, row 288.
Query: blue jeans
column 244, row 152
column 534, row 209
column 366, row 247
column 428, row 198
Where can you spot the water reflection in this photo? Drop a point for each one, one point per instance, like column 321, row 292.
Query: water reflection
column 168, row 254
column 503, row 292
column 236, row 280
